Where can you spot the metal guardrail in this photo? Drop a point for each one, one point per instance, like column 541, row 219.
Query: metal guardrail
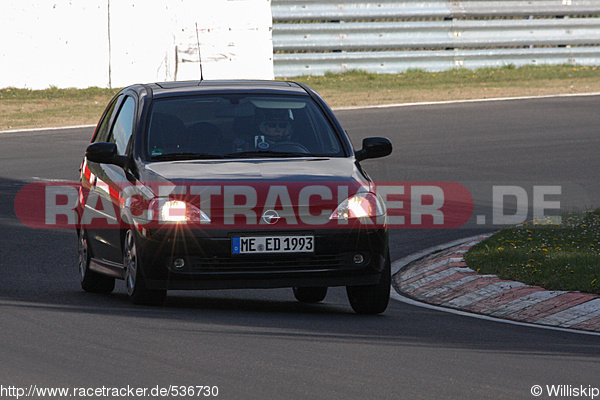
column 436, row 34
column 314, row 37
column 291, row 10
column 390, row 62
column 297, row 10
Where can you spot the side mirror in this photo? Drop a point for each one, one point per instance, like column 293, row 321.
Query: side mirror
column 374, row 147
column 105, row 153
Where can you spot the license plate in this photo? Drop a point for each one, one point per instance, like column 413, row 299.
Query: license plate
column 272, row 244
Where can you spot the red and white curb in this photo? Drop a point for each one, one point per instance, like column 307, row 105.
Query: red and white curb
column 442, row 278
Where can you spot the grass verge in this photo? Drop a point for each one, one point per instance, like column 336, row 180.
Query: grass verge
column 358, row 88
column 22, row 108
column 564, row 256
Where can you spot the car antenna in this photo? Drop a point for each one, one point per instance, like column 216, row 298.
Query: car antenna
column 199, row 54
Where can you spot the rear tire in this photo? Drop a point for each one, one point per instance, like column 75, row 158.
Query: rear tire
column 134, row 279
column 372, row 299
column 91, row 281
column 310, row 294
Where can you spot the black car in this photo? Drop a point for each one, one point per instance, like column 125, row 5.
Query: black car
column 230, row 184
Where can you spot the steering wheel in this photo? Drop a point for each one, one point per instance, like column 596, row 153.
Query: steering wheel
column 292, row 147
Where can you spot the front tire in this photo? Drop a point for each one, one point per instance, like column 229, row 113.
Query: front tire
column 372, row 299
column 91, row 281
column 134, row 279
column 310, row 294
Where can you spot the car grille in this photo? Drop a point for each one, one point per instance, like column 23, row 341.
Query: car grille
column 247, row 264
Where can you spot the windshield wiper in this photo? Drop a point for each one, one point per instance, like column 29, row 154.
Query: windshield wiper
column 265, row 153
column 185, row 156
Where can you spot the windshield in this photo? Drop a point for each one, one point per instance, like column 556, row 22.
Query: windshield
column 239, row 126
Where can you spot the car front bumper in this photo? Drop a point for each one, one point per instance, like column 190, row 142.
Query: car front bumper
column 208, row 261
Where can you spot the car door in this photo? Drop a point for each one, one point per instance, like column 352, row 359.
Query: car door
column 107, row 182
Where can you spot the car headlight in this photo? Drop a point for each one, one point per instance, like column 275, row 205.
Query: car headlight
column 361, row 205
column 175, row 211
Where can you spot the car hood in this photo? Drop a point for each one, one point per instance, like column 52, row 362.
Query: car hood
column 281, row 170
column 306, row 190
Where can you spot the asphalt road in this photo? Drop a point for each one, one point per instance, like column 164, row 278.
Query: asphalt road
column 263, row 344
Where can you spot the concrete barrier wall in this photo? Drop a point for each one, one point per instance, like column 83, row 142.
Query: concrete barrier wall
column 114, row 43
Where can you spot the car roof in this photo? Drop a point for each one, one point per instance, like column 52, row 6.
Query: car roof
column 183, row 88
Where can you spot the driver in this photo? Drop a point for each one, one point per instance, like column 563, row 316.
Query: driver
column 276, row 128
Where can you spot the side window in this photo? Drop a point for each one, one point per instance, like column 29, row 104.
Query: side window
column 102, row 134
column 123, row 127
